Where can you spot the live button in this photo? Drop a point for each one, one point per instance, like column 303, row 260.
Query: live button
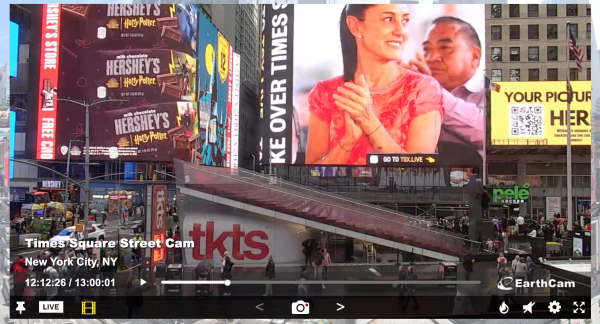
column 54, row 307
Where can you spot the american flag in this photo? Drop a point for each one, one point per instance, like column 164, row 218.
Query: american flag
column 574, row 48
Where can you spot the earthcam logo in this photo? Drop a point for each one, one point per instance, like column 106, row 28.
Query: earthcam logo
column 506, row 283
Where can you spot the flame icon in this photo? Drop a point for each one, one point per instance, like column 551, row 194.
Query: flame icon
column 503, row 308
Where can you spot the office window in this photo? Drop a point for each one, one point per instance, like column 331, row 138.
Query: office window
column 588, row 30
column 573, row 74
column 496, row 11
column 515, row 31
column 589, row 53
column 534, row 74
column 515, row 54
column 496, row 32
column 515, row 75
column 552, row 31
column 552, row 53
column 513, row 10
column 496, row 54
column 552, row 74
column 533, row 54
column 571, row 56
column 551, row 10
column 571, row 10
column 532, row 10
column 574, row 30
column 589, row 74
column 588, row 9
column 533, row 31
column 497, row 75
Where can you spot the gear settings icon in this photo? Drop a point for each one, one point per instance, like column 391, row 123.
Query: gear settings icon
column 554, row 307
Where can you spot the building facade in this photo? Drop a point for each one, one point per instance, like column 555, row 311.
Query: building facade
column 528, row 42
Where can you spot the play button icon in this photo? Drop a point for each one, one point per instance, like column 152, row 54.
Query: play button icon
column 142, row 282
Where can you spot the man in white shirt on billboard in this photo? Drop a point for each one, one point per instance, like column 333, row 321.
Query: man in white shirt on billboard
column 451, row 55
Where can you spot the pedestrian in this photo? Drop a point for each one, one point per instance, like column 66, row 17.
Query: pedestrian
column 531, row 266
column 411, row 288
column 521, row 274
column 401, row 287
column 502, row 263
column 108, row 269
column 269, row 275
column 468, row 265
column 302, row 289
column 325, row 263
column 227, row 274
column 304, row 273
column 160, row 273
column 94, row 269
column 318, row 264
column 83, row 275
column 505, row 236
column 20, row 277
column 514, row 263
column 226, row 254
column 307, row 249
column 52, row 276
column 135, row 298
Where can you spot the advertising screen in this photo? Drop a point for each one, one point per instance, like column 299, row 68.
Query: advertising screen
column 137, row 65
column 394, row 79
column 144, row 54
column 14, row 48
column 213, row 88
column 535, row 113
column 11, row 140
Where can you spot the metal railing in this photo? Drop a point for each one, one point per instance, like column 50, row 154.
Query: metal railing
column 385, row 222
column 338, row 196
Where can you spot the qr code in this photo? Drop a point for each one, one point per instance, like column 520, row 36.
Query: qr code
column 526, row 120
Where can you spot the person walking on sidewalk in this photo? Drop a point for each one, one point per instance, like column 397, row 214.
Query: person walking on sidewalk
column 318, row 264
column 410, row 293
column 505, row 236
column 402, row 287
column 227, row 274
column 160, row 273
column 269, row 275
column 325, row 263
column 468, row 265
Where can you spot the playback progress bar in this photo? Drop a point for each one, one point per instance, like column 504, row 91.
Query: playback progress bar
column 316, row 282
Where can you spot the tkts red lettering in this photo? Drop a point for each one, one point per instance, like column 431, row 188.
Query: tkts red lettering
column 257, row 250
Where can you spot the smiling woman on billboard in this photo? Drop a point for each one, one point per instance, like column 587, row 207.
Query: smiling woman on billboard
column 377, row 105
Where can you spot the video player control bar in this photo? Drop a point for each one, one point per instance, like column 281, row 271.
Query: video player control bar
column 316, row 282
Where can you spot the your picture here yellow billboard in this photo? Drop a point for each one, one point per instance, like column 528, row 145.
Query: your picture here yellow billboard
column 535, row 113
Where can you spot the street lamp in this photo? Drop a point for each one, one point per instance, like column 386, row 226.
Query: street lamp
column 87, row 106
column 169, row 175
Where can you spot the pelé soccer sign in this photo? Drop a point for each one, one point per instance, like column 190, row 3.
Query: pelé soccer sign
column 514, row 195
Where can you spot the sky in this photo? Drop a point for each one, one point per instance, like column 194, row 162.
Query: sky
column 4, row 32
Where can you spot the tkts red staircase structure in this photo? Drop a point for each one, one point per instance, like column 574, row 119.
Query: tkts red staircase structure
column 392, row 229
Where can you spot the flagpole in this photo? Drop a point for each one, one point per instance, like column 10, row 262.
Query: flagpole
column 568, row 120
column 484, row 173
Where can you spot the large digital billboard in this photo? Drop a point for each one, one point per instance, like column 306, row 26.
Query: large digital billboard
column 137, row 64
column 140, row 53
column 535, row 113
column 393, row 79
column 14, row 48
column 214, row 82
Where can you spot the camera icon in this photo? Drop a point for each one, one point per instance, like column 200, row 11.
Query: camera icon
column 300, row 308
